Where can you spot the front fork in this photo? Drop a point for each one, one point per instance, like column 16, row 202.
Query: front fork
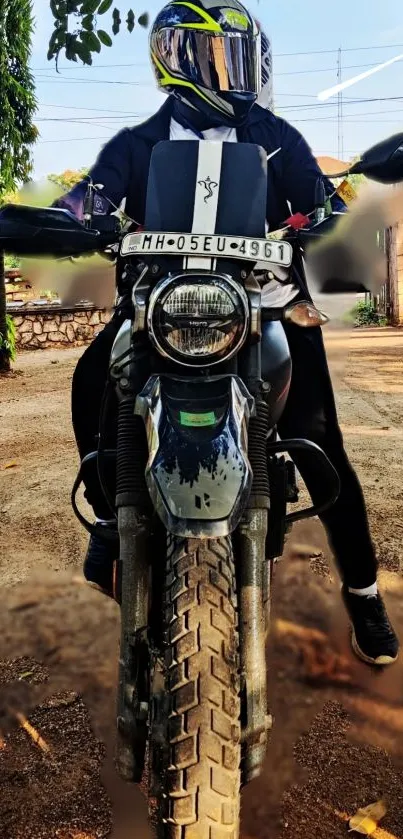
column 133, row 523
column 253, row 580
column 253, row 583
column 132, row 697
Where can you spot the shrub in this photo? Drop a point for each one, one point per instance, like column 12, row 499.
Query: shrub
column 364, row 314
column 11, row 262
column 7, row 342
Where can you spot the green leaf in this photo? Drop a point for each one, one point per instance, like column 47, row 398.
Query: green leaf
column 83, row 52
column 91, row 41
column 89, row 7
column 130, row 20
column 57, row 41
column 59, row 9
column 105, row 39
column 144, row 20
column 71, row 46
column 88, row 22
column 53, row 40
column 104, row 7
column 116, row 21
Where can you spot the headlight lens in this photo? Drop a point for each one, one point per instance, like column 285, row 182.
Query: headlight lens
column 198, row 321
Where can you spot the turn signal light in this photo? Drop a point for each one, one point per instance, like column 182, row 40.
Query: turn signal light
column 305, row 314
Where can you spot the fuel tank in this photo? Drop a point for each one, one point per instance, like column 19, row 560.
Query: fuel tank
column 276, row 368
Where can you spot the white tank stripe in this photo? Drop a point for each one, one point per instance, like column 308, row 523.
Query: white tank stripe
column 206, row 198
column 207, row 187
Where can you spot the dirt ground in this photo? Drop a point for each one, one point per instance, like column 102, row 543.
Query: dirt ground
column 337, row 740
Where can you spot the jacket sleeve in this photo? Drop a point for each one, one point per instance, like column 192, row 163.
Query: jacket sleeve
column 112, row 171
column 300, row 173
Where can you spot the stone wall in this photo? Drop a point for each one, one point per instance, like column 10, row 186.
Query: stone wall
column 51, row 326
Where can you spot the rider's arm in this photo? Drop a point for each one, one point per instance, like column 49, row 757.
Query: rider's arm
column 112, row 170
column 300, row 172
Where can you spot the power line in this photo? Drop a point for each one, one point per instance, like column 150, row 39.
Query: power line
column 287, row 73
column 332, row 121
column 85, row 139
column 350, row 102
column 123, row 117
column 51, row 78
column 334, row 51
column 87, row 108
column 73, row 140
column 323, row 70
column 89, row 120
column 361, row 114
column 93, row 66
column 276, row 55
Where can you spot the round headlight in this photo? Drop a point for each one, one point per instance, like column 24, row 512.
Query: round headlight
column 197, row 321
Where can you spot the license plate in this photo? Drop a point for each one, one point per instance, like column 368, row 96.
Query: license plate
column 214, row 247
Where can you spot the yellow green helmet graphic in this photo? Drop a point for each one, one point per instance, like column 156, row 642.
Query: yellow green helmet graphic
column 208, row 54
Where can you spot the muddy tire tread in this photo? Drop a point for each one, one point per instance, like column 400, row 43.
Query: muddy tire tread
column 202, row 665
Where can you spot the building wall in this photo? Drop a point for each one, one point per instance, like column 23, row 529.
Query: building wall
column 399, row 256
column 394, row 253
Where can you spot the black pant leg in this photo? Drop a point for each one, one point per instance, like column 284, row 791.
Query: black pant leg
column 88, row 386
column 311, row 413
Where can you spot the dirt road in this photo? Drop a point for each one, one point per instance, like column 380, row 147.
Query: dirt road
column 337, row 742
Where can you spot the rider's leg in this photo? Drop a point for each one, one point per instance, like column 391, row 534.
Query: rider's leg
column 311, row 413
column 88, row 388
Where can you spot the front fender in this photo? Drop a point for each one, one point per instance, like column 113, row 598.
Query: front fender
column 198, row 473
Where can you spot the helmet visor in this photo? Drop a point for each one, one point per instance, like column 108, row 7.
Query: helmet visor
column 222, row 63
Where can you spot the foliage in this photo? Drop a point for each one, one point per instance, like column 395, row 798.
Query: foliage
column 17, row 129
column 11, row 262
column 357, row 181
column 48, row 293
column 364, row 313
column 68, row 179
column 17, row 94
column 78, row 32
column 8, row 343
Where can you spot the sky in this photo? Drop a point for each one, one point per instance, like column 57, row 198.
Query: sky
column 80, row 108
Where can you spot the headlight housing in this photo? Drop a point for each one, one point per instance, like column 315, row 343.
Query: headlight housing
column 197, row 320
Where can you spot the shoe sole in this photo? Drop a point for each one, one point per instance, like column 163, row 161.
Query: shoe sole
column 96, row 587
column 380, row 661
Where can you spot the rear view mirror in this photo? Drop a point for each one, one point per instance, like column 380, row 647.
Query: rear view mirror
column 382, row 163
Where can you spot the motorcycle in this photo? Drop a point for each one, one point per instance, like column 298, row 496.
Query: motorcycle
column 199, row 482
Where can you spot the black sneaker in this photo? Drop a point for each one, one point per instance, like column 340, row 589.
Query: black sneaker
column 100, row 563
column 373, row 638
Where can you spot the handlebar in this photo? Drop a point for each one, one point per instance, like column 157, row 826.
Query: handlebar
column 54, row 232
column 36, row 231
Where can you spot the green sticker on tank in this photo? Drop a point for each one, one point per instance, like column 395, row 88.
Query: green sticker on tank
column 197, row 420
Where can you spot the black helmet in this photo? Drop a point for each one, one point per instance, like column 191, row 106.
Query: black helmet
column 208, row 54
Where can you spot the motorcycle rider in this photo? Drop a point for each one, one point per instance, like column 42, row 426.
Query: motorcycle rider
column 207, row 57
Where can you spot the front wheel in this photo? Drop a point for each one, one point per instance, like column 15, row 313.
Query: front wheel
column 201, row 772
